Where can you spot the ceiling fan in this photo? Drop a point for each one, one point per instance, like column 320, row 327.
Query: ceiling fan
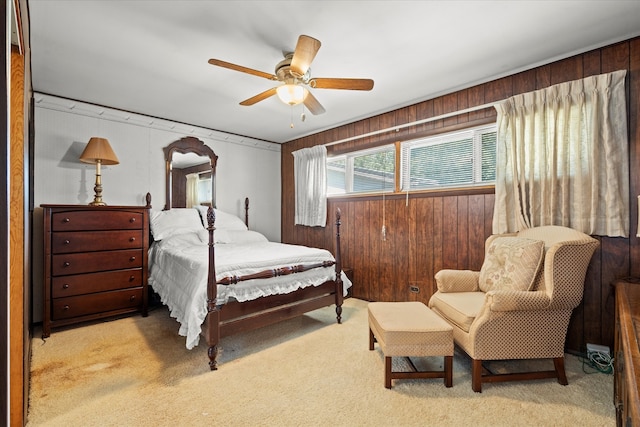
column 293, row 72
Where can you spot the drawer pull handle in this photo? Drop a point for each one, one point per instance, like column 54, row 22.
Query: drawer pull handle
column 66, row 264
column 65, row 286
column 66, row 307
column 66, row 220
column 132, row 220
column 132, row 278
column 132, row 258
column 66, row 242
column 132, row 239
column 132, row 298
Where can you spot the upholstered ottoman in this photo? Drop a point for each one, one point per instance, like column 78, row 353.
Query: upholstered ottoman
column 404, row 329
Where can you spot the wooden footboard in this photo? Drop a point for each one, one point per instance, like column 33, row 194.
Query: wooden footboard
column 235, row 317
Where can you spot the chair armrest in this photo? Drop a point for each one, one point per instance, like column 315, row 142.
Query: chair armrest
column 457, row 280
column 517, row 300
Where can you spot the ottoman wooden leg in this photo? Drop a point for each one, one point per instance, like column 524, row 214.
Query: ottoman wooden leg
column 448, row 371
column 387, row 372
column 372, row 339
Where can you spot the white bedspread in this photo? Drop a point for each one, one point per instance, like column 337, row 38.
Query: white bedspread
column 179, row 270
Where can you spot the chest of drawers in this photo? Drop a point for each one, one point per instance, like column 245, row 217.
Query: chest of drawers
column 95, row 263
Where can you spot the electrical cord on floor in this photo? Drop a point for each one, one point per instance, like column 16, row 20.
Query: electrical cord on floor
column 601, row 362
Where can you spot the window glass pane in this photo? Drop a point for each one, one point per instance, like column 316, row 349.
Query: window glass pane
column 336, row 176
column 489, row 157
column 442, row 164
column 204, row 190
column 374, row 172
column 458, row 159
column 363, row 171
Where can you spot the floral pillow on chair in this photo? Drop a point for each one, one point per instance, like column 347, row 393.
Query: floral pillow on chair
column 511, row 263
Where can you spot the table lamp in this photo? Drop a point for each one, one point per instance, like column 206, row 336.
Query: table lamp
column 99, row 152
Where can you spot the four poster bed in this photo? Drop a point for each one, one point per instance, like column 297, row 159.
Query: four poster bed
column 219, row 278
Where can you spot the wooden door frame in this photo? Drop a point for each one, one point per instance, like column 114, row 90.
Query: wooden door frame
column 4, row 227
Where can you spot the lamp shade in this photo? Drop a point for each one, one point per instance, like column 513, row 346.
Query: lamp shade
column 292, row 94
column 98, row 149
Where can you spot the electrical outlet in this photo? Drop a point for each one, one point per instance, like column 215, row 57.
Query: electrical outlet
column 414, row 287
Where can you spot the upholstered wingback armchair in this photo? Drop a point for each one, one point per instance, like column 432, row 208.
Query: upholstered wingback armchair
column 518, row 306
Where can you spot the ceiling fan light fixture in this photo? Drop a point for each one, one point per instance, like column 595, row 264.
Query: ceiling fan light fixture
column 295, row 74
column 292, row 94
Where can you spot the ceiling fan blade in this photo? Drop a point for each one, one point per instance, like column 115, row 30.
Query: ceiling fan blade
column 347, row 84
column 313, row 105
column 259, row 97
column 306, row 50
column 242, row 69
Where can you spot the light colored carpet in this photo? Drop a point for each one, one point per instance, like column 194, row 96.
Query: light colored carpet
column 308, row 371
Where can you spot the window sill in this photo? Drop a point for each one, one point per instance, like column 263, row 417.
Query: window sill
column 463, row 191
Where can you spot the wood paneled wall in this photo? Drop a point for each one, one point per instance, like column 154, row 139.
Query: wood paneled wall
column 431, row 231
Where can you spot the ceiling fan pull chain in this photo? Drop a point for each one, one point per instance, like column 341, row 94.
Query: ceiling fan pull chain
column 291, row 125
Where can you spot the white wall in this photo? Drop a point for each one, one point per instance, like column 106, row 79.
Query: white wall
column 246, row 167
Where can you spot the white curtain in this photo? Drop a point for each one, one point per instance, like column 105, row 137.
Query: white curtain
column 310, row 170
column 562, row 158
column 192, row 190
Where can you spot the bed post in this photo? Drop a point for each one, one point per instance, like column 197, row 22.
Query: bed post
column 339, row 290
column 213, row 314
column 246, row 211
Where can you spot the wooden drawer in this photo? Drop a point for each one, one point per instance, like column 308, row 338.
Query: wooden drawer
column 96, row 219
column 84, row 241
column 76, row 263
column 78, row 284
column 64, row 308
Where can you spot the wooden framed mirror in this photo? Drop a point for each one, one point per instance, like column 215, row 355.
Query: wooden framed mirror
column 190, row 167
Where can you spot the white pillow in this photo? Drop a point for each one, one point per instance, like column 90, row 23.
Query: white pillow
column 202, row 211
column 174, row 221
column 203, row 235
column 227, row 221
column 224, row 221
column 238, row 236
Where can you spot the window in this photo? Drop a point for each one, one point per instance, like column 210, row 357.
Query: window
column 449, row 160
column 457, row 159
column 205, row 189
column 363, row 171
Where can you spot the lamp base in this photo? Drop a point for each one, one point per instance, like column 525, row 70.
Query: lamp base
column 97, row 198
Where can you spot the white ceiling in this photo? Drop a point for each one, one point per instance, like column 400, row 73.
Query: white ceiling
column 150, row 57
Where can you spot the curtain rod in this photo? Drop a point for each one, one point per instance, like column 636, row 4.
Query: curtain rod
column 417, row 122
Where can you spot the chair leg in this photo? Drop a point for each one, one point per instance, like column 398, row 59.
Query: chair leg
column 558, row 363
column 476, row 375
column 372, row 339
